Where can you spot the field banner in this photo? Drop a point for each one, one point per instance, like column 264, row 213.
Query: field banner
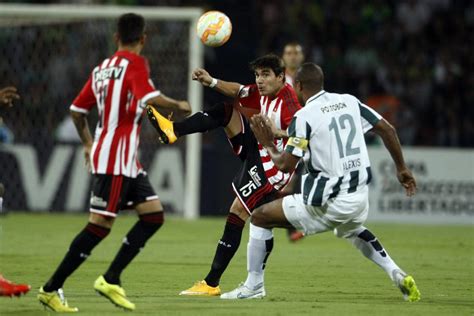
column 56, row 179
column 445, row 179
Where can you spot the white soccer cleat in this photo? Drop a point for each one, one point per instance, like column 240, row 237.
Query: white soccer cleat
column 242, row 292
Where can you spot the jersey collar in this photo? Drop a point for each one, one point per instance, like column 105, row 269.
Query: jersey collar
column 126, row 54
column 314, row 97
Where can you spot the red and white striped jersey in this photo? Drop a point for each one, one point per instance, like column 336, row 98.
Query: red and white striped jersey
column 280, row 110
column 120, row 87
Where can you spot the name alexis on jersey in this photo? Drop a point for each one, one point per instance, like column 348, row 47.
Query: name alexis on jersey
column 333, row 107
column 353, row 163
column 114, row 73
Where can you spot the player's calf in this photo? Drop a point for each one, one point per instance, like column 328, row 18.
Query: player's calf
column 227, row 246
column 141, row 232
column 218, row 115
column 369, row 245
column 79, row 250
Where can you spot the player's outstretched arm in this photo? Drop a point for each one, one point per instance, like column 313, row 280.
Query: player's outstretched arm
column 262, row 129
column 390, row 139
column 230, row 89
column 165, row 102
column 82, row 127
column 7, row 96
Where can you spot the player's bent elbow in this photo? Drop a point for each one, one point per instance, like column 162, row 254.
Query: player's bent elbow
column 390, row 131
column 390, row 128
column 384, row 129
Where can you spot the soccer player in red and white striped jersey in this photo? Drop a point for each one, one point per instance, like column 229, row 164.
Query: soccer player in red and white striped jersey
column 280, row 108
column 258, row 180
column 120, row 87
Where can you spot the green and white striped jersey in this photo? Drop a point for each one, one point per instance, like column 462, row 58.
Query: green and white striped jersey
column 331, row 128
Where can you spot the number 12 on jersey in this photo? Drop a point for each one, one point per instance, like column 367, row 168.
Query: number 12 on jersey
column 350, row 138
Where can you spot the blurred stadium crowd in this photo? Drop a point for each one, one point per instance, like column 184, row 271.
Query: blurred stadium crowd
column 411, row 60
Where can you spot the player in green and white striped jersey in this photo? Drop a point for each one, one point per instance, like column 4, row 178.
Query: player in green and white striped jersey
column 334, row 196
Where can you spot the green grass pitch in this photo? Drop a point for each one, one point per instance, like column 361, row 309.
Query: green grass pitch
column 321, row 275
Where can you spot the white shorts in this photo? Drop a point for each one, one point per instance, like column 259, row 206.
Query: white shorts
column 344, row 214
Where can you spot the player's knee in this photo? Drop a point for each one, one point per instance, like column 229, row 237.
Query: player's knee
column 100, row 220
column 238, row 210
column 154, row 219
column 221, row 112
column 258, row 217
column 347, row 234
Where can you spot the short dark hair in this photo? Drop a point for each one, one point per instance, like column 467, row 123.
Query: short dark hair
column 310, row 76
column 272, row 61
column 130, row 28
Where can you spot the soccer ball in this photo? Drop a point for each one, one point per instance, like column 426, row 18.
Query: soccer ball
column 214, row 28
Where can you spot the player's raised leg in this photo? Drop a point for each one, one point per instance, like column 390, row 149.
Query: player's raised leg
column 151, row 218
column 219, row 115
column 227, row 246
column 364, row 240
column 51, row 294
column 260, row 245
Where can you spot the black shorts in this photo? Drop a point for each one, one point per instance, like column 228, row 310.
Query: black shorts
column 250, row 183
column 111, row 193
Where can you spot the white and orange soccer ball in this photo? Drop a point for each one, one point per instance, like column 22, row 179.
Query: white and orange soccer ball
column 214, row 28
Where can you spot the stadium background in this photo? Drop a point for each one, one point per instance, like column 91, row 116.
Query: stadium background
column 420, row 59
column 411, row 60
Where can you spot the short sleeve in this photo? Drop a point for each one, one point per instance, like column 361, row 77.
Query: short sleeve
column 299, row 133
column 369, row 117
column 249, row 97
column 84, row 102
column 139, row 81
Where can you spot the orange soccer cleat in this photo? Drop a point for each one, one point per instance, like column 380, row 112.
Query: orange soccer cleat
column 8, row 288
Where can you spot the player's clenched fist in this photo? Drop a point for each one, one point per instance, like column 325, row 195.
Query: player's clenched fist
column 202, row 76
column 7, row 95
column 407, row 180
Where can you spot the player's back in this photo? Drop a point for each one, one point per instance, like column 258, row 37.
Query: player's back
column 335, row 125
column 119, row 86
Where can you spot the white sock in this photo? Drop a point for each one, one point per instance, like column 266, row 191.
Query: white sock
column 1, row 204
column 258, row 249
column 371, row 248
